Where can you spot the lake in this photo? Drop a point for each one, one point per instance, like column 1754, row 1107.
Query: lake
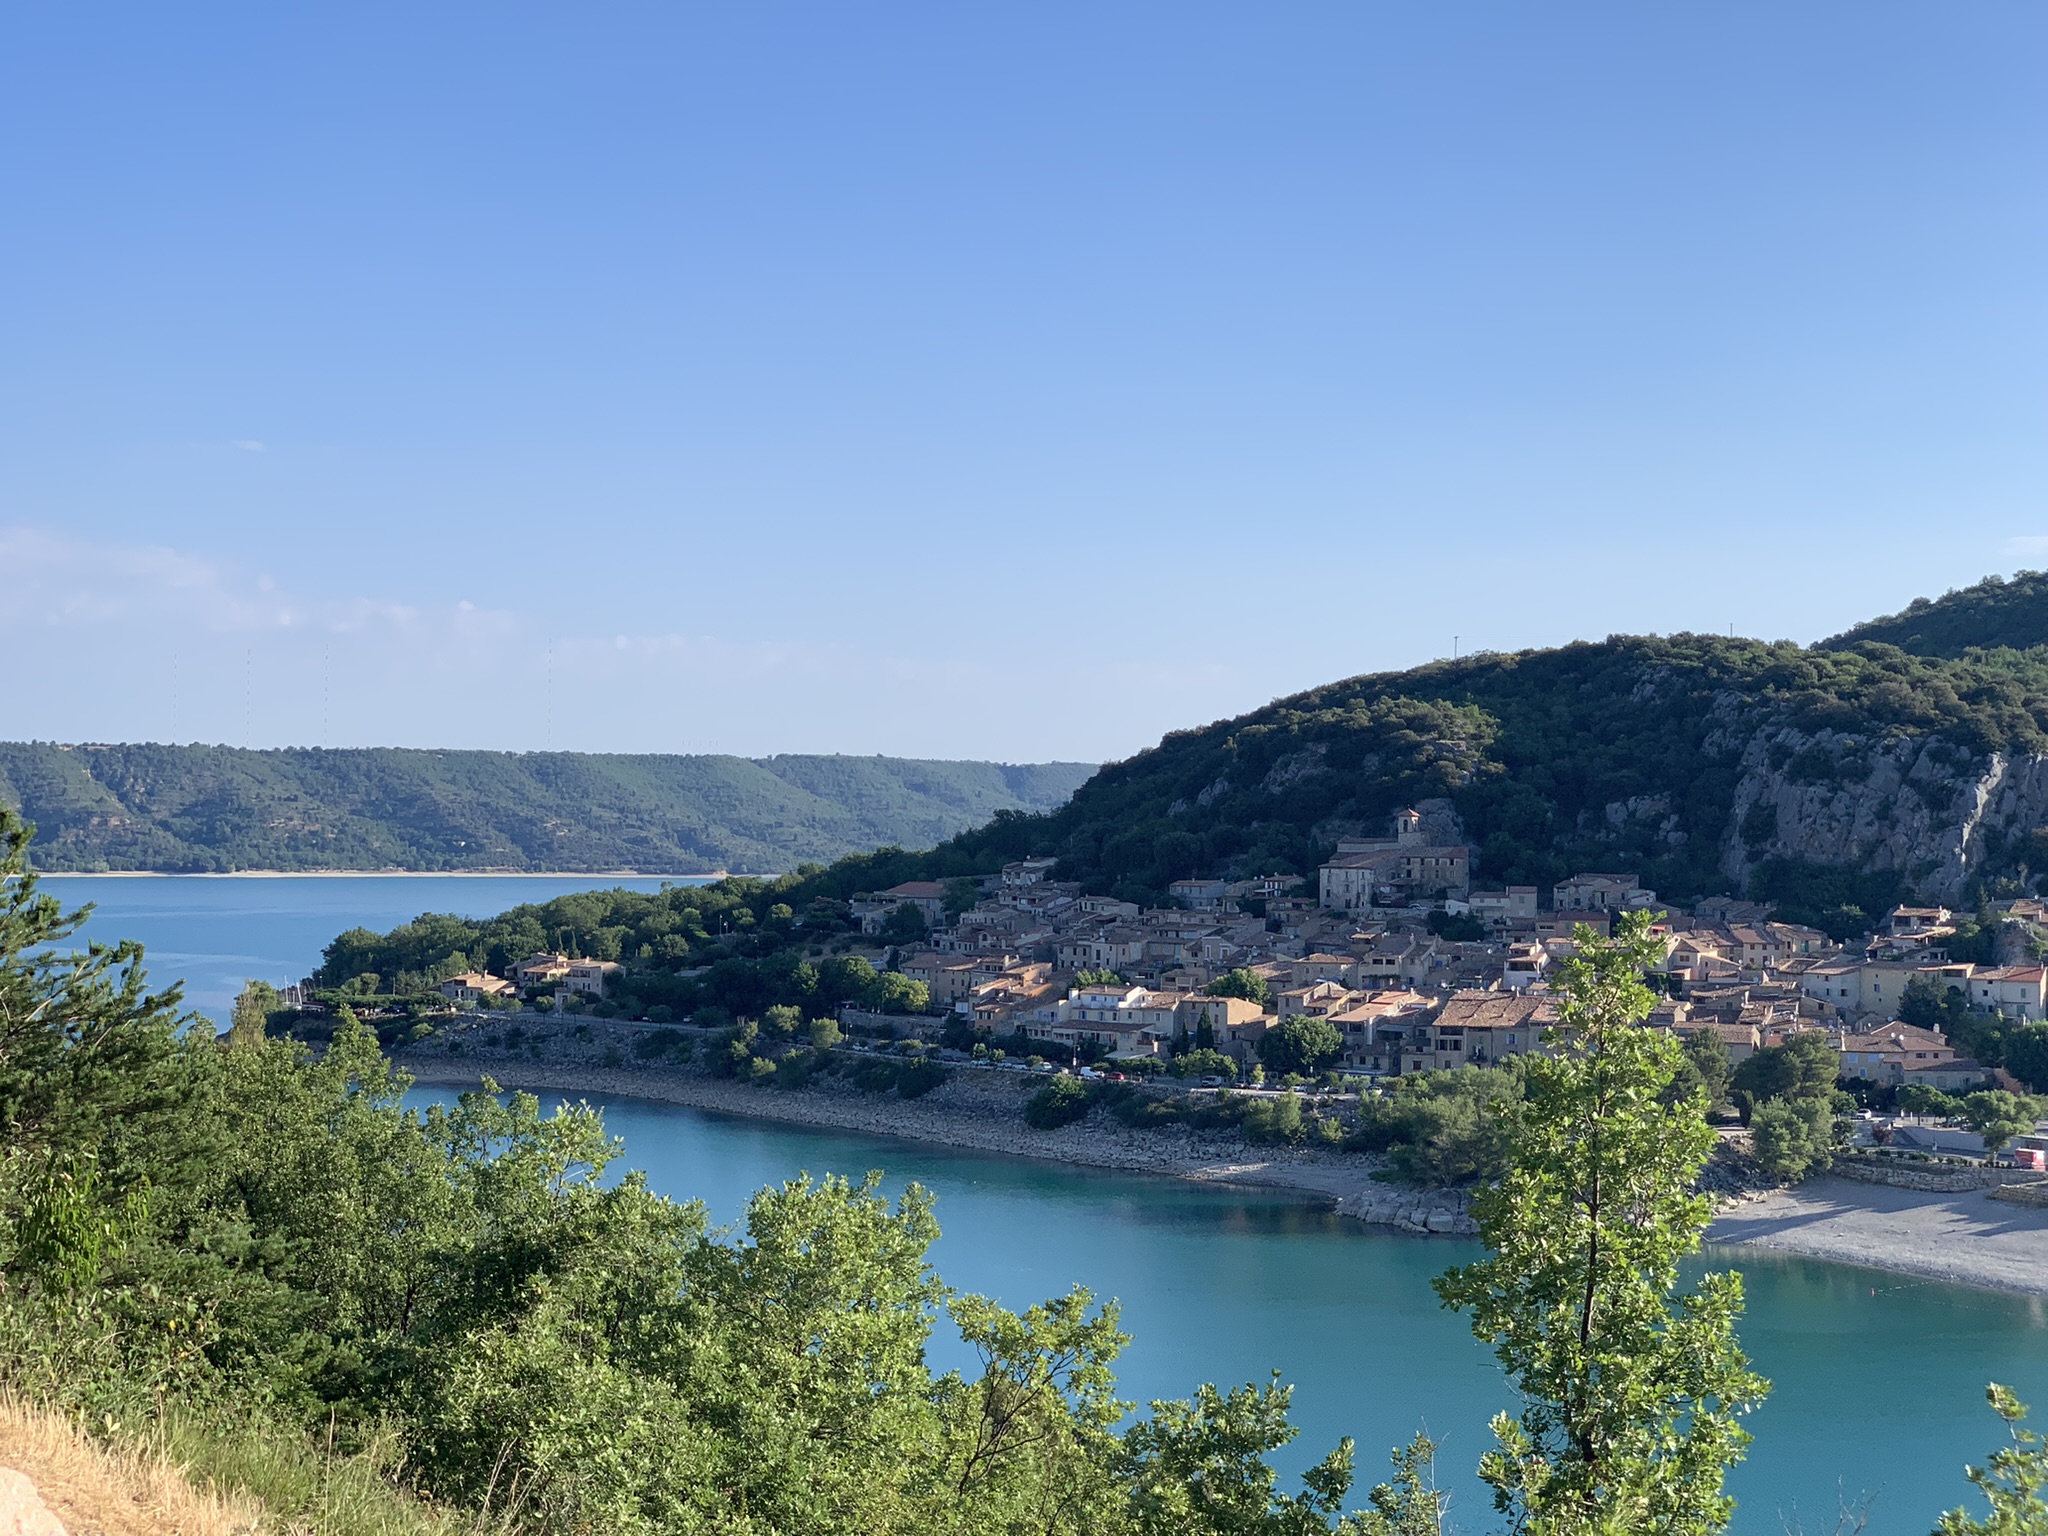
column 1879, row 1378
column 221, row 931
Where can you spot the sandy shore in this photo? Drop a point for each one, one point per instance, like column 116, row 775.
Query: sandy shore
column 1962, row 1239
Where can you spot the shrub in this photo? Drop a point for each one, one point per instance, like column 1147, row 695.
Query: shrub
column 1060, row 1102
column 1441, row 1128
column 917, row 1078
column 1273, row 1122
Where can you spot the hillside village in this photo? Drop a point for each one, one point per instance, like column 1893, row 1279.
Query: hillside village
column 1372, row 952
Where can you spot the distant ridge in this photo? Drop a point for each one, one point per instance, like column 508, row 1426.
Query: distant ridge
column 200, row 809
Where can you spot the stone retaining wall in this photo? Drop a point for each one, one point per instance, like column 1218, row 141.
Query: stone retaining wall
column 1947, row 1181
column 2035, row 1195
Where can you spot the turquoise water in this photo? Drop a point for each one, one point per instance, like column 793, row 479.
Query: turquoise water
column 217, row 932
column 1879, row 1379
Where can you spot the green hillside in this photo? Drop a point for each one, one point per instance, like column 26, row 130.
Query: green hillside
column 194, row 808
column 1995, row 614
column 1627, row 753
column 1540, row 752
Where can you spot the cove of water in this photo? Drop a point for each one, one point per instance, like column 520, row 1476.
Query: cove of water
column 217, row 932
column 1878, row 1378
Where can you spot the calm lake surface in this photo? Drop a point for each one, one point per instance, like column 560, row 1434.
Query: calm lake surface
column 220, row 931
column 1879, row 1379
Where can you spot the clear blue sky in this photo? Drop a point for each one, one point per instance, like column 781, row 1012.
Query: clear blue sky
column 982, row 381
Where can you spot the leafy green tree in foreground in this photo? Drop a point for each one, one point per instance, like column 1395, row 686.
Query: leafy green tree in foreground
column 1633, row 1391
column 2015, row 1481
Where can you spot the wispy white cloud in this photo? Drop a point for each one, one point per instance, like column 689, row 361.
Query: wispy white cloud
column 248, row 444
column 2027, row 546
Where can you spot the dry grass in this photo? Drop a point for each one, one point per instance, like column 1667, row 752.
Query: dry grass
column 99, row 1491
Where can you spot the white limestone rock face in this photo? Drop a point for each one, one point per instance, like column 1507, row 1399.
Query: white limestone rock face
column 1921, row 807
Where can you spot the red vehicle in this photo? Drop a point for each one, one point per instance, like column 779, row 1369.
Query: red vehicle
column 2030, row 1152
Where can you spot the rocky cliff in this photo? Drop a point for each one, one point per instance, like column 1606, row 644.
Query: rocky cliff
column 1924, row 808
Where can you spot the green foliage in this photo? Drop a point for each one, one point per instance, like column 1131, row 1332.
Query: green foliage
column 1930, row 1004
column 1804, row 1067
column 1632, row 1390
column 467, row 1294
column 1203, row 1062
column 1303, row 1045
column 1410, row 1505
column 2014, row 1482
column 1060, row 1102
column 1994, row 614
column 1919, row 1099
column 1101, row 977
column 1999, row 1116
column 194, row 808
column 1712, row 1070
column 905, row 926
column 1444, row 1128
column 2025, row 1055
column 893, row 992
column 1273, row 1122
column 1249, row 985
column 1198, row 1468
column 825, row 1034
column 1790, row 1138
column 1459, row 927
column 250, row 1021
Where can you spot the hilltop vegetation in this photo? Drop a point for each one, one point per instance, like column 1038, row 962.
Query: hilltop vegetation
column 1994, row 614
column 1622, row 753
column 209, row 809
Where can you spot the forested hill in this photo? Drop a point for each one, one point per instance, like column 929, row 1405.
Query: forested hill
column 197, row 808
column 1826, row 778
column 1995, row 614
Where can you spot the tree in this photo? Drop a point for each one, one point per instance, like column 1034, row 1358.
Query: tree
column 2026, row 1056
column 250, row 1022
column 1998, row 1116
column 1410, row 1505
column 1804, row 1067
column 1929, row 1103
column 905, row 925
column 825, row 1033
column 1633, row 1390
column 2015, row 1482
column 1249, row 985
column 1100, row 977
column 1303, row 1044
column 1932, row 1004
column 1708, row 1055
column 782, row 1021
column 1198, row 1468
column 1788, row 1138
column 1204, row 1063
column 894, row 992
